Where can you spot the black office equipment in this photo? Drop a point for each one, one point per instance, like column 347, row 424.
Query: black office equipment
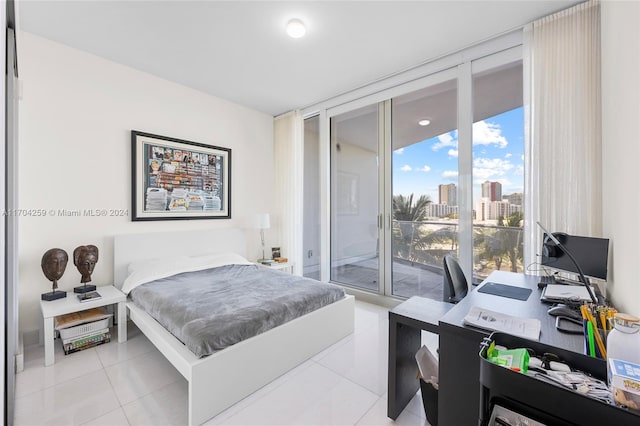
column 455, row 283
column 504, row 290
column 565, row 311
column 555, row 249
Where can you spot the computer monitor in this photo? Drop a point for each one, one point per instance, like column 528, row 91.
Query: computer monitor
column 590, row 253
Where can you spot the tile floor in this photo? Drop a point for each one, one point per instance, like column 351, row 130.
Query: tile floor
column 132, row 384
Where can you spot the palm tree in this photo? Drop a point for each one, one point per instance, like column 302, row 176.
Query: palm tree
column 406, row 213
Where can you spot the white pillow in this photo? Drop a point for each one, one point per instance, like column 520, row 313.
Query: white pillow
column 154, row 269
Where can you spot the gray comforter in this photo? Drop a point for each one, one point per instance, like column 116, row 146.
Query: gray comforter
column 211, row 309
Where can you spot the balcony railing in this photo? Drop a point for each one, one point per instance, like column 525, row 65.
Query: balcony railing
column 425, row 244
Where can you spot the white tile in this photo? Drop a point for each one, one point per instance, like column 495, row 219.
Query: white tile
column 165, row 406
column 113, row 418
column 363, row 359
column 141, row 375
column 250, row 399
column 377, row 416
column 368, row 315
column 36, row 377
column 115, row 352
column 71, row 403
column 314, row 396
column 416, row 407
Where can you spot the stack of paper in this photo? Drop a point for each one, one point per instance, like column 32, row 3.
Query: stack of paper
column 529, row 328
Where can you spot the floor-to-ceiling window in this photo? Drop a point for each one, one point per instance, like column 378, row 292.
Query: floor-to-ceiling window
column 424, row 181
column 429, row 166
column 311, row 254
column 498, row 168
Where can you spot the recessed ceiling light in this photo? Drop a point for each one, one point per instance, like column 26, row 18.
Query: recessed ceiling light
column 424, row 122
column 296, row 28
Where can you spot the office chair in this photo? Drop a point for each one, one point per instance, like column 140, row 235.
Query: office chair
column 455, row 283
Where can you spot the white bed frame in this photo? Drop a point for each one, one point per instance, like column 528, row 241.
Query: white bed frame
column 220, row 380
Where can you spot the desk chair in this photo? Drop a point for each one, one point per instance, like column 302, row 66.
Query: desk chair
column 455, row 283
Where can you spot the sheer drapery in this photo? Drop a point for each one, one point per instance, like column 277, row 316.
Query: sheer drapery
column 288, row 160
column 562, row 120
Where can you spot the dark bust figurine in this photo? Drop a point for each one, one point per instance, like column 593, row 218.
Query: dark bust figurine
column 85, row 259
column 54, row 262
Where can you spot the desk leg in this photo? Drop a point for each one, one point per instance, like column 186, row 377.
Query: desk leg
column 122, row 322
column 404, row 342
column 49, row 354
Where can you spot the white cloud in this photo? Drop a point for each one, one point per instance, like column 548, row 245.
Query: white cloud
column 453, row 153
column 425, row 168
column 519, row 171
column 485, row 133
column 446, row 139
column 406, row 168
column 450, row 174
column 399, row 151
column 490, row 168
column 508, row 155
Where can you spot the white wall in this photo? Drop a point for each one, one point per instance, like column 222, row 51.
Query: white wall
column 620, row 22
column 76, row 114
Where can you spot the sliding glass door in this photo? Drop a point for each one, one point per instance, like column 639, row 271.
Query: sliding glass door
column 425, row 175
column 355, row 252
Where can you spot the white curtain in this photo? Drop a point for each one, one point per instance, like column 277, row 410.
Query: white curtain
column 563, row 180
column 288, row 161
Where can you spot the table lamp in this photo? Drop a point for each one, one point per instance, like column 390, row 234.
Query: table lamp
column 262, row 223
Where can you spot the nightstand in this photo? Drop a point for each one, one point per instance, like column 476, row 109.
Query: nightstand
column 286, row 266
column 51, row 309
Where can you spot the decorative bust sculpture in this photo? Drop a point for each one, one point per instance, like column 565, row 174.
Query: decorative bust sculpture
column 85, row 259
column 54, row 262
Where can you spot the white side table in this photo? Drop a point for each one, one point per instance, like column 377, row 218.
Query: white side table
column 51, row 309
column 287, row 266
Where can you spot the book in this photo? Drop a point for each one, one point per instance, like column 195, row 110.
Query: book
column 89, row 335
column 71, row 350
column 86, row 297
column 86, row 342
column 529, row 328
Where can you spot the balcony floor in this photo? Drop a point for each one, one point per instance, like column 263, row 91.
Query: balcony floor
column 408, row 280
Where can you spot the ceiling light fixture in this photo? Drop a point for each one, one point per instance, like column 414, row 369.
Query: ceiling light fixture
column 424, row 122
column 296, row 28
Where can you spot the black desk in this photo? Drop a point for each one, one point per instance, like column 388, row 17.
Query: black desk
column 405, row 324
column 459, row 364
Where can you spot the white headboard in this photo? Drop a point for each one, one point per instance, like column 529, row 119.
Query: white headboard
column 129, row 248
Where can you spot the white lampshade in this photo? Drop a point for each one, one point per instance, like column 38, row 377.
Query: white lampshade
column 262, row 221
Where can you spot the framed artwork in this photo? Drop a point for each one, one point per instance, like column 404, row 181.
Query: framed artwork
column 178, row 179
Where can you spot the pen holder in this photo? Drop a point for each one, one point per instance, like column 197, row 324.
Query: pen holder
column 595, row 339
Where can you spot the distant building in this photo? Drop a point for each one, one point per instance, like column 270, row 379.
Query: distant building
column 493, row 210
column 515, row 198
column 492, row 191
column 448, row 194
column 440, row 210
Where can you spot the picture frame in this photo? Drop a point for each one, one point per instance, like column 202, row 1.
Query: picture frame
column 275, row 252
column 175, row 179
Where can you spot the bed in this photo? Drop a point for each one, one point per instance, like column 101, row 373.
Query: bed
column 224, row 377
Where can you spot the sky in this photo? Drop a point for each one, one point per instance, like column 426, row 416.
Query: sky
column 498, row 155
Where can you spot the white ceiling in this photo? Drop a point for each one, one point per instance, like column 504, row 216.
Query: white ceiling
column 238, row 50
